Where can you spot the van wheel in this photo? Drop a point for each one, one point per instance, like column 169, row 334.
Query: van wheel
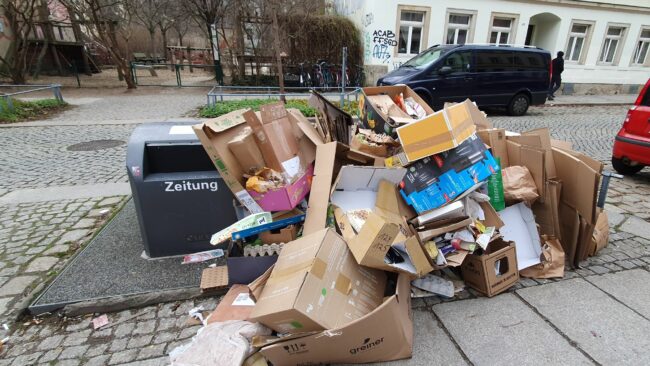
column 625, row 169
column 425, row 97
column 518, row 105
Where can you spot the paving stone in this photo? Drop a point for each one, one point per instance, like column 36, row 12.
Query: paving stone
column 599, row 269
column 100, row 360
column 118, row 344
column 42, row 264
column 69, row 362
column 96, row 350
column 110, row 201
column 165, row 323
column 51, row 342
column 73, row 352
column 60, row 248
column 145, row 327
column 141, row 341
column 189, row 332
column 636, row 226
column 620, row 284
column 73, row 236
column 84, row 223
column 50, row 355
column 606, row 329
column 152, row 351
column 17, row 285
column 164, row 337
column 124, row 329
column 123, row 357
column 529, row 339
column 27, row 359
column 77, row 338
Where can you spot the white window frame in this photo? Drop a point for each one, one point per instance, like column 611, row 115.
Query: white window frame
column 469, row 27
column 585, row 43
column 512, row 31
column 411, row 24
column 638, row 45
column 607, row 42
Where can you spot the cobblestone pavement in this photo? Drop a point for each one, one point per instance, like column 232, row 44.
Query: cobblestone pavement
column 145, row 336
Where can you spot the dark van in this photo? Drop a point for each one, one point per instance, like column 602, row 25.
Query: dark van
column 494, row 76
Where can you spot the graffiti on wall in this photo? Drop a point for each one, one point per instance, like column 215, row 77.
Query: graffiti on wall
column 383, row 41
column 368, row 19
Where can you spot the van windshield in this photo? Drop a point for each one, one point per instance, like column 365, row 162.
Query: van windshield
column 426, row 58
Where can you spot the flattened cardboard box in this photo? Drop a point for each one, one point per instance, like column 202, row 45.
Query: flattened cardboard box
column 438, row 132
column 385, row 334
column 480, row 271
column 316, row 285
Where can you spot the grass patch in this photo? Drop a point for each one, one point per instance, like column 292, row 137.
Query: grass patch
column 29, row 110
column 228, row 106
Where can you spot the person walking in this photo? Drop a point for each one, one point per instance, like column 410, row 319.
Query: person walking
column 556, row 75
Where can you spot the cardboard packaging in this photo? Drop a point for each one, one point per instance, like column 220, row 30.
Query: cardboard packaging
column 438, row 132
column 373, row 188
column 316, row 285
column 435, row 181
column 494, row 271
column 283, row 235
column 215, row 133
column 245, row 150
column 552, row 264
column 235, row 305
column 243, row 270
column 371, row 114
column 274, row 136
column 385, row 334
column 520, row 228
column 600, row 237
column 286, row 197
column 496, row 139
column 333, row 123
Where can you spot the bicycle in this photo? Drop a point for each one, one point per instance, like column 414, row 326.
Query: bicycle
column 305, row 76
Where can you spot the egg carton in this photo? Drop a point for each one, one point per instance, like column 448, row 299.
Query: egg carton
column 262, row 250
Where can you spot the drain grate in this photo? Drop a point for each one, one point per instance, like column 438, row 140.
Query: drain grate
column 95, row 145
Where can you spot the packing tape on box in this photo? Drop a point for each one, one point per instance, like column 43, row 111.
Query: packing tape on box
column 316, row 267
column 343, row 284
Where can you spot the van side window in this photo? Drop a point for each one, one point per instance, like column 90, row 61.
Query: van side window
column 459, row 61
column 529, row 61
column 494, row 61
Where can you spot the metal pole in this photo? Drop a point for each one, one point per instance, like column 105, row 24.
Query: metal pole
column 345, row 56
column 178, row 75
column 10, row 103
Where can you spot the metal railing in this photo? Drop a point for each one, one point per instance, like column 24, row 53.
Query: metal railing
column 7, row 97
column 139, row 71
column 220, row 93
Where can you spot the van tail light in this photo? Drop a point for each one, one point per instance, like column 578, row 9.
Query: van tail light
column 628, row 116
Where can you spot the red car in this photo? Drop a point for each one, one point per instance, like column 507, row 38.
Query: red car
column 632, row 144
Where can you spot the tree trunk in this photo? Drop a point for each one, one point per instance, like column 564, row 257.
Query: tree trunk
column 209, row 27
column 152, row 46
column 163, row 33
column 278, row 51
column 39, row 60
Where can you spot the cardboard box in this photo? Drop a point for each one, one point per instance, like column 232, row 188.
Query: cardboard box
column 375, row 150
column 316, row 285
column 283, row 235
column 215, row 133
column 333, row 123
column 438, row 132
column 286, row 197
column 435, row 181
column 496, row 139
column 235, row 305
column 521, row 229
column 385, row 334
column 374, row 188
column 274, row 136
column 329, row 159
column 245, row 150
column 494, row 271
column 371, row 114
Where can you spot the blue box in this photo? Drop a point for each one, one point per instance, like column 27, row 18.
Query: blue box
column 451, row 184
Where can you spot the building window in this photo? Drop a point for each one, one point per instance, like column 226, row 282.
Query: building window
column 613, row 38
column 411, row 27
column 641, row 50
column 577, row 40
column 500, row 31
column 458, row 28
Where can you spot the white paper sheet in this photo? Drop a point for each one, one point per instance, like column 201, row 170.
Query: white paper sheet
column 519, row 227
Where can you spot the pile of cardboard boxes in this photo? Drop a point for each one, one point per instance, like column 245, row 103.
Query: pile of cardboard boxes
column 354, row 212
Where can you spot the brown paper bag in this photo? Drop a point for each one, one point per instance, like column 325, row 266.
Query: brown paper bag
column 552, row 261
column 600, row 237
column 518, row 185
